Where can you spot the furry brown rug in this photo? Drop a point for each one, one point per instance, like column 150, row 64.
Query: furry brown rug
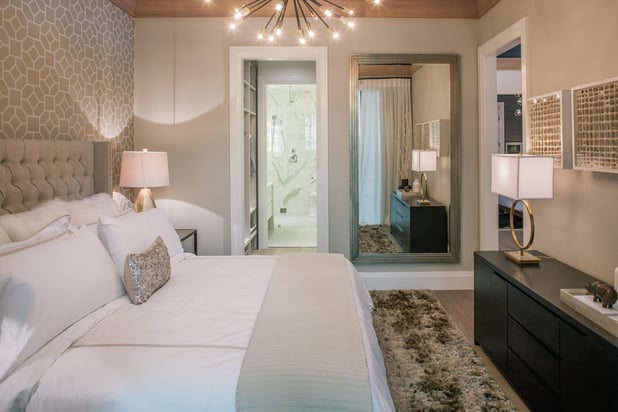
column 429, row 364
column 377, row 239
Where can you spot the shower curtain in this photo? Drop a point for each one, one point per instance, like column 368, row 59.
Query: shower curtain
column 385, row 111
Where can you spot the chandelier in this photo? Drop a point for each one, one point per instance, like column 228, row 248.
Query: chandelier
column 324, row 13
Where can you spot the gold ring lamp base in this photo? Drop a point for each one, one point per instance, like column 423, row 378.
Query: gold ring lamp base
column 520, row 256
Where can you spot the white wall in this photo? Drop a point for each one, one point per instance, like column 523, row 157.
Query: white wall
column 431, row 100
column 570, row 43
column 509, row 81
column 181, row 101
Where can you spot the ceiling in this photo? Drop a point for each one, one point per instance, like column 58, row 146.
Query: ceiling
column 466, row 9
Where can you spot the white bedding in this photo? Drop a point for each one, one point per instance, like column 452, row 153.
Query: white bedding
column 182, row 350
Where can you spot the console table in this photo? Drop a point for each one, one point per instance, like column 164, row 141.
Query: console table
column 419, row 228
column 554, row 357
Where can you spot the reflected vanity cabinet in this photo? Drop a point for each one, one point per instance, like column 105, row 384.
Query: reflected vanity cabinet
column 554, row 358
column 418, row 228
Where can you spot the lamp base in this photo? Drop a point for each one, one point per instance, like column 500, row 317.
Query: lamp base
column 144, row 200
column 423, row 202
column 525, row 259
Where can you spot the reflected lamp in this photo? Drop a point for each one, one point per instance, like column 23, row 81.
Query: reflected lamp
column 144, row 170
column 521, row 177
column 424, row 161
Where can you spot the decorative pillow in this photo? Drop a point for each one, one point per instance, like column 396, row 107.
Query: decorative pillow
column 47, row 288
column 54, row 230
column 145, row 273
column 88, row 210
column 21, row 226
column 134, row 232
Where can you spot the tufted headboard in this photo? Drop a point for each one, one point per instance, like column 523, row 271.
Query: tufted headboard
column 33, row 171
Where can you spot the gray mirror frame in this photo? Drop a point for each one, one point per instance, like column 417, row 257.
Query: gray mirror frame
column 454, row 210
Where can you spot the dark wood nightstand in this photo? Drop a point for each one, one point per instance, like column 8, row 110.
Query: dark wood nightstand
column 185, row 234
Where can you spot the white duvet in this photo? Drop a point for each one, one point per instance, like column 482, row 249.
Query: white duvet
column 182, row 350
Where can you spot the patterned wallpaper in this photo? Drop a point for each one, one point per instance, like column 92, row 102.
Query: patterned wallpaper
column 67, row 72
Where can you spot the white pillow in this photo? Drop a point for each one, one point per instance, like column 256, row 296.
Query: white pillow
column 53, row 230
column 47, row 288
column 135, row 232
column 88, row 210
column 21, row 226
column 4, row 236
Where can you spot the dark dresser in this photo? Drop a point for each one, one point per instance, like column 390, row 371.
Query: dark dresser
column 419, row 228
column 555, row 358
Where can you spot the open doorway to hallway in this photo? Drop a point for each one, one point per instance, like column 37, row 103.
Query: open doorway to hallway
column 510, row 136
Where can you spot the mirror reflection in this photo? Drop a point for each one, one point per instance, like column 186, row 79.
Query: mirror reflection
column 405, row 151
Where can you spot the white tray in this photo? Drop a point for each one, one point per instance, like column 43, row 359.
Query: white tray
column 582, row 301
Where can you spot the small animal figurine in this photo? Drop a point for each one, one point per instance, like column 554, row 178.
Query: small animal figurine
column 602, row 292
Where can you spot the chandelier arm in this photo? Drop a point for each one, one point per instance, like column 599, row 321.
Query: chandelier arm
column 281, row 16
column 264, row 3
column 334, row 4
column 300, row 4
column 251, row 3
column 310, row 7
column 297, row 15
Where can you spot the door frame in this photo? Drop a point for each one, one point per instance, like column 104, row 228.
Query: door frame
column 238, row 55
column 488, row 119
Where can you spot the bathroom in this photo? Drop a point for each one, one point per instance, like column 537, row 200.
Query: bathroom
column 289, row 111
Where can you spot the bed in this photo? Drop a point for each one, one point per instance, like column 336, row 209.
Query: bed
column 101, row 310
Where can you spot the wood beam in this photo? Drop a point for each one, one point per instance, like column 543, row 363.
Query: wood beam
column 467, row 9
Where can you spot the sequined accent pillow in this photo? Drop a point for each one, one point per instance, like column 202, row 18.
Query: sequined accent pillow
column 145, row 273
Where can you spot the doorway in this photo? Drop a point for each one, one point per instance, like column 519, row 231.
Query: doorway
column 488, row 123
column 238, row 56
column 291, row 158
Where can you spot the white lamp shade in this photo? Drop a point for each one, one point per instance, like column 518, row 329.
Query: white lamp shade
column 424, row 160
column 522, row 176
column 144, row 169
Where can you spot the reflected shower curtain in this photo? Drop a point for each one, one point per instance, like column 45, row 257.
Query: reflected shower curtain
column 385, row 111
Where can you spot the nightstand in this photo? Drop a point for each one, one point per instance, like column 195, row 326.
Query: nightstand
column 185, row 234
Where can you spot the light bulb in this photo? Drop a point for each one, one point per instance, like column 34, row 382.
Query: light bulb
column 278, row 31
column 311, row 34
column 233, row 26
column 328, row 13
column 279, row 7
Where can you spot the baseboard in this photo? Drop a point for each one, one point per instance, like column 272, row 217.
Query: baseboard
column 418, row 280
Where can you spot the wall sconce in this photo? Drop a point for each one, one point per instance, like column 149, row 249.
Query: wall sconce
column 144, row 170
column 519, row 177
column 424, row 161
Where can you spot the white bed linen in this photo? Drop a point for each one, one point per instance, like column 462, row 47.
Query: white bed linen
column 181, row 350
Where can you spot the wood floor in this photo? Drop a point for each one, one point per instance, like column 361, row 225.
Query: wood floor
column 460, row 305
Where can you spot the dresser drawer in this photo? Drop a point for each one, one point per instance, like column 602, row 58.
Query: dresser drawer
column 541, row 323
column 538, row 396
column 540, row 360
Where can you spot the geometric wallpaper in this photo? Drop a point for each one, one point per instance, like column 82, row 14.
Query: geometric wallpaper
column 67, row 72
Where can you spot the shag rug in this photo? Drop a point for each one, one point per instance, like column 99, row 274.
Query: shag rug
column 377, row 239
column 429, row 364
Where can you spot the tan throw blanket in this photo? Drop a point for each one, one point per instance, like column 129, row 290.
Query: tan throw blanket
column 306, row 351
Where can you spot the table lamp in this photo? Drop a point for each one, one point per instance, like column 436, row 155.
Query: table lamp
column 424, row 161
column 522, row 177
column 144, row 170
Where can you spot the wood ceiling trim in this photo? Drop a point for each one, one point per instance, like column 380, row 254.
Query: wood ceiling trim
column 466, row 9
column 127, row 5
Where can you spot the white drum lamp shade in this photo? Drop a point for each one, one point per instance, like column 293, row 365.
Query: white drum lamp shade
column 144, row 170
column 424, row 160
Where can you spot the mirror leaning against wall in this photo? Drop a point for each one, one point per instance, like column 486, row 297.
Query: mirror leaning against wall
column 404, row 160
